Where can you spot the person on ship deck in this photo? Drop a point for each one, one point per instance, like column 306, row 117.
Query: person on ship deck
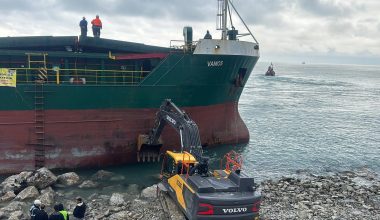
column 83, row 27
column 96, row 26
column 208, row 35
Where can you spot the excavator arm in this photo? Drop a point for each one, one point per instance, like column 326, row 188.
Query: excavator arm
column 169, row 114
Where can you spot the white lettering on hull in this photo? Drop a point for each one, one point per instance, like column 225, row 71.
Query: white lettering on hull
column 215, row 63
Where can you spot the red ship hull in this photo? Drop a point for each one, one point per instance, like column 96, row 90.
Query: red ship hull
column 98, row 138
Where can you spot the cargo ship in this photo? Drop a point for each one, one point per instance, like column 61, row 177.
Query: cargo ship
column 69, row 102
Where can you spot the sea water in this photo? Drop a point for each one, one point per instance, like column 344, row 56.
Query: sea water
column 317, row 118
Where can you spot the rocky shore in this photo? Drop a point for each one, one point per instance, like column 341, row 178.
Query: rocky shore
column 344, row 195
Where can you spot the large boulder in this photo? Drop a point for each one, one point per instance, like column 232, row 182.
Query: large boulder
column 15, row 183
column 68, row 179
column 15, row 206
column 42, row 178
column 117, row 199
column 29, row 192
column 47, row 196
column 8, row 196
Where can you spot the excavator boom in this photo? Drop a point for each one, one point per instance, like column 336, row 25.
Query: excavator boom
column 169, row 114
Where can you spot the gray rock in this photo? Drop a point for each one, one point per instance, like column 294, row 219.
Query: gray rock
column 120, row 215
column 88, row 184
column 12, row 207
column 149, row 192
column 68, row 179
column 8, row 196
column 117, row 199
column 47, row 196
column 30, row 192
column 42, row 178
column 102, row 175
column 17, row 215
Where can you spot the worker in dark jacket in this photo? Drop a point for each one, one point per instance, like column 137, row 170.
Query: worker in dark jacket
column 79, row 210
column 56, row 215
column 83, row 27
column 42, row 215
column 208, row 35
column 96, row 26
column 35, row 209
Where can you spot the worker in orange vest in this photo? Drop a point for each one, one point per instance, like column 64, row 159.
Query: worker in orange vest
column 96, row 26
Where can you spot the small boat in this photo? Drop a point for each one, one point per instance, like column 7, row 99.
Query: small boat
column 270, row 71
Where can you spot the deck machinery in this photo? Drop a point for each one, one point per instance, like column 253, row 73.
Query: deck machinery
column 201, row 193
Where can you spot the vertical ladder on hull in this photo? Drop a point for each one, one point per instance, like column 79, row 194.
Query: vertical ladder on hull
column 39, row 146
column 38, row 67
column 41, row 59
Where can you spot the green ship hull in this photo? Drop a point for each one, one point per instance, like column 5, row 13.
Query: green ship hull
column 83, row 102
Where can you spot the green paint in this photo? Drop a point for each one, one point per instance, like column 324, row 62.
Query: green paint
column 185, row 78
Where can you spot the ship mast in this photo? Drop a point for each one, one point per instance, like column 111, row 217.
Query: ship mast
column 224, row 20
column 222, row 16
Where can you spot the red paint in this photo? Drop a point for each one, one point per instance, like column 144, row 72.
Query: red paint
column 98, row 138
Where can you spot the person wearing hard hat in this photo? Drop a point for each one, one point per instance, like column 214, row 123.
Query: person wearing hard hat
column 96, row 26
column 35, row 209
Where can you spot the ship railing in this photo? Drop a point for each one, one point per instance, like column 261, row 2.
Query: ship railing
column 80, row 76
column 179, row 46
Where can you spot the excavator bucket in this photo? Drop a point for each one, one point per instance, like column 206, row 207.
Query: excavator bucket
column 148, row 152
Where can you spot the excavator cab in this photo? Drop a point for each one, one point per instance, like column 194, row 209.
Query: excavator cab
column 176, row 163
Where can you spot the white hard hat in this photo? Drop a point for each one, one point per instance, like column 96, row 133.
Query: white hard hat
column 37, row 202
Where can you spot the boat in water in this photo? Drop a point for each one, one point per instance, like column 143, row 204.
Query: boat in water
column 69, row 102
column 270, row 71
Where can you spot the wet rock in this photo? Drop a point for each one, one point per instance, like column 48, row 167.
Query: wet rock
column 42, row 178
column 149, row 192
column 8, row 196
column 68, row 179
column 88, row 184
column 102, row 175
column 30, row 192
column 117, row 199
column 133, row 189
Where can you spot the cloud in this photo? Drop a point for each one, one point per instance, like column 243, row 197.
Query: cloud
column 288, row 27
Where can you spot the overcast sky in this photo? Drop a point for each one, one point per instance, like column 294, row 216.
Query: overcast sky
column 314, row 31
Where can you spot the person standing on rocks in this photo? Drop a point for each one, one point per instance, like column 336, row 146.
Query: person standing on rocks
column 79, row 210
column 56, row 215
column 42, row 215
column 35, row 209
column 64, row 213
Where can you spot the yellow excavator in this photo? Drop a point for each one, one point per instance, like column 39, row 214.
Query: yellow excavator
column 201, row 193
